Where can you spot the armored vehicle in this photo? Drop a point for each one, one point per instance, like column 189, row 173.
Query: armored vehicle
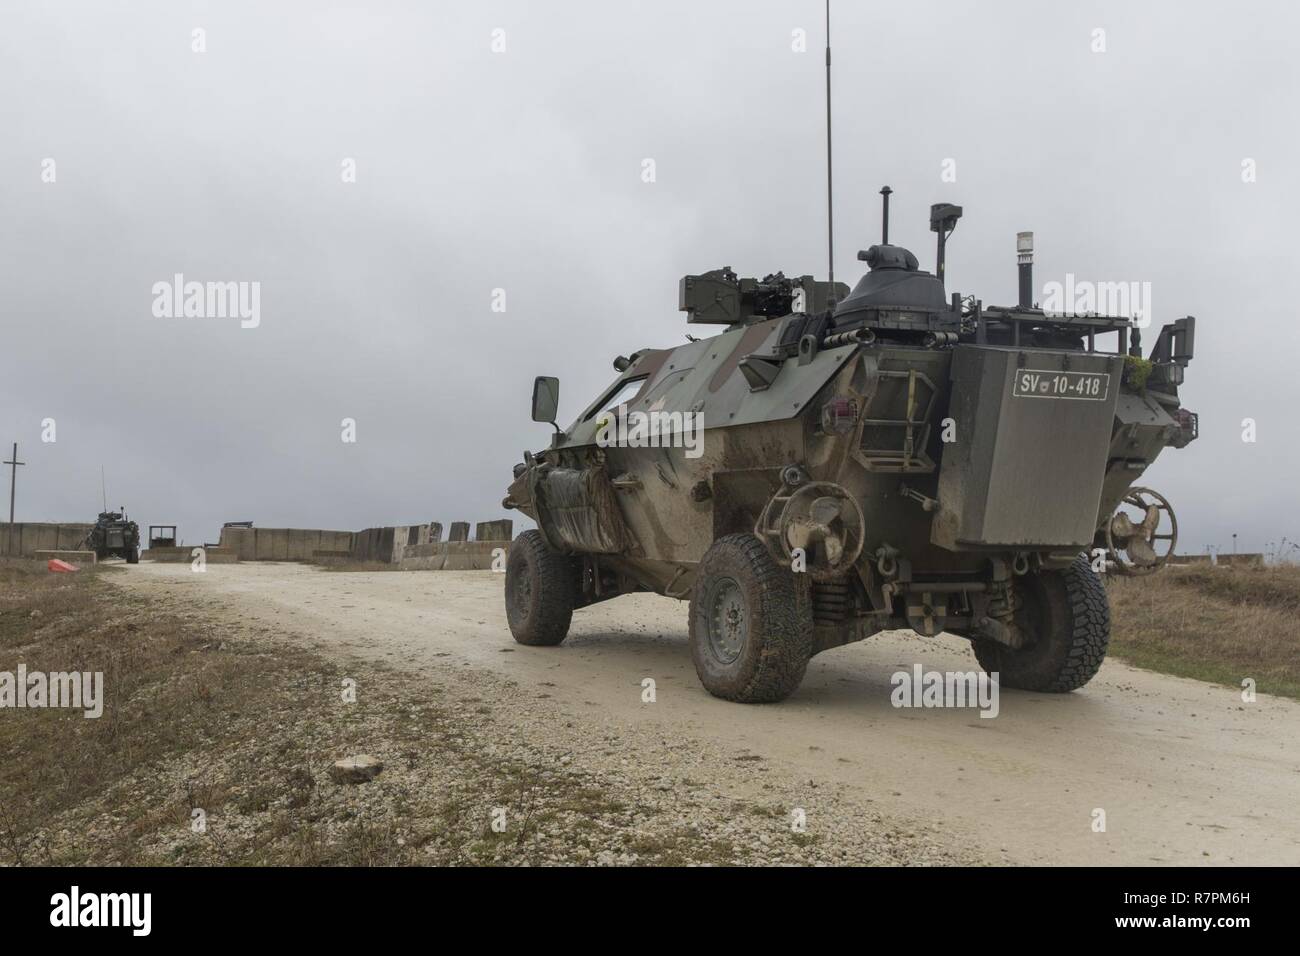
column 114, row 535
column 835, row 463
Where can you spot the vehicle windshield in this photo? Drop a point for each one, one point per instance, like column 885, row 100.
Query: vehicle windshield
column 620, row 394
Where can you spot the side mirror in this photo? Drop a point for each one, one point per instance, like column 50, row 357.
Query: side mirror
column 546, row 399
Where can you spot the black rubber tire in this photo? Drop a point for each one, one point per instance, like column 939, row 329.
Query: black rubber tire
column 133, row 556
column 541, row 586
column 1069, row 616
column 778, row 611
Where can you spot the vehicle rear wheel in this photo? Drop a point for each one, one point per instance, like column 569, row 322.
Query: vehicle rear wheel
column 751, row 623
column 133, row 556
column 1067, row 617
column 541, row 585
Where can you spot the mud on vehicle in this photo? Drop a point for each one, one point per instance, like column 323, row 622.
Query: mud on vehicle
column 891, row 457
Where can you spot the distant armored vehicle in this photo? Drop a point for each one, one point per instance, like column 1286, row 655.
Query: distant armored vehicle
column 890, row 457
column 114, row 536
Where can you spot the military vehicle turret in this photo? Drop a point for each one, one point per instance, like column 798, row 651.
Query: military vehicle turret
column 835, row 463
column 114, row 536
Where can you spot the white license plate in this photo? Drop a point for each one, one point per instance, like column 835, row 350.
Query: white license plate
column 1046, row 383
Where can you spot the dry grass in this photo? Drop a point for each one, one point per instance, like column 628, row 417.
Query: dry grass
column 171, row 687
column 199, row 716
column 1221, row 624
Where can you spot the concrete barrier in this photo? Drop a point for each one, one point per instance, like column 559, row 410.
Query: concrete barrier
column 283, row 544
column 410, row 546
column 1240, row 560
column 185, row 554
column 76, row 557
column 1220, row 560
column 390, row 544
column 373, row 544
column 32, row 536
column 500, row 530
column 454, row 556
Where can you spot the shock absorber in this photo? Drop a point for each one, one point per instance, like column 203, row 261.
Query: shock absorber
column 1000, row 624
column 830, row 601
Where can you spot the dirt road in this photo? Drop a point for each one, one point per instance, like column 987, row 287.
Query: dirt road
column 1185, row 772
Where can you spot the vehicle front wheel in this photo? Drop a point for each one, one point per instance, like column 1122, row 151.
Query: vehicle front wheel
column 751, row 623
column 541, row 585
column 1066, row 617
column 133, row 556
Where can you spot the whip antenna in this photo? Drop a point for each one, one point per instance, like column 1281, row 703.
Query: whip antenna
column 830, row 211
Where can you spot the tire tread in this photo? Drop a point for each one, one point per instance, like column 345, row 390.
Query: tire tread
column 784, row 613
column 1088, row 621
column 555, row 581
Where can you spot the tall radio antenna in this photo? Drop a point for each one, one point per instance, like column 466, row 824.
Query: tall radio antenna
column 830, row 211
column 103, row 488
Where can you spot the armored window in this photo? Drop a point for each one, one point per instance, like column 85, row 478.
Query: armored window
column 616, row 396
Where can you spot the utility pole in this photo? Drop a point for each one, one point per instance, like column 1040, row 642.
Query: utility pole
column 13, row 462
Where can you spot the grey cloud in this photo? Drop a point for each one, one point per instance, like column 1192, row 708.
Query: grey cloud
column 521, row 171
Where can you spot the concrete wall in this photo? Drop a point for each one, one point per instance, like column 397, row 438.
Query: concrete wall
column 32, row 536
column 453, row 556
column 501, row 530
column 374, row 544
column 419, row 546
column 283, row 544
column 414, row 546
column 1220, row 559
column 1240, row 560
column 185, row 555
column 389, row 545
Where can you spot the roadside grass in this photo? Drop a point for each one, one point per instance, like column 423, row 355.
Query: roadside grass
column 39, row 593
column 204, row 725
column 171, row 688
column 1217, row 624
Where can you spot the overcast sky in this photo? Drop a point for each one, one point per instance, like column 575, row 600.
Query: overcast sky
column 522, row 170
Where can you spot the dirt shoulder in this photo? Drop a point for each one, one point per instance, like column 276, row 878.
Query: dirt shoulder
column 1185, row 771
column 218, row 733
